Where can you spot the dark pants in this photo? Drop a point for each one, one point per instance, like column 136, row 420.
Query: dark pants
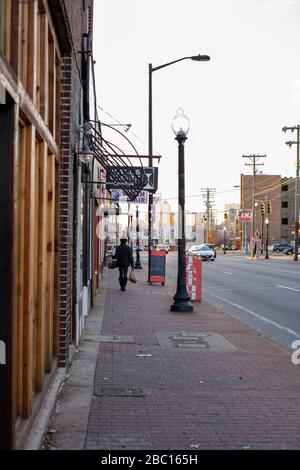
column 123, row 275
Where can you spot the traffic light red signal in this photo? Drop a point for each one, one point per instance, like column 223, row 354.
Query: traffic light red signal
column 225, row 216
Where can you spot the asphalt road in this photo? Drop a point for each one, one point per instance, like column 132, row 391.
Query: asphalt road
column 262, row 293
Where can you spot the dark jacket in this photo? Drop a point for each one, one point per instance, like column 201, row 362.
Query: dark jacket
column 124, row 256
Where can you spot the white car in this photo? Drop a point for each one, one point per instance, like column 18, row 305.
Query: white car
column 202, row 250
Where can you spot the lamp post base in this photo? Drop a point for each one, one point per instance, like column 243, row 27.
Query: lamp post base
column 182, row 305
column 138, row 266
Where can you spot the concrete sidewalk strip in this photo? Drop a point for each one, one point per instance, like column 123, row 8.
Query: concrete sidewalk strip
column 68, row 425
column 154, row 379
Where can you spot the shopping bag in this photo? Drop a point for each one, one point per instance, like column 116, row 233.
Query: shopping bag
column 132, row 276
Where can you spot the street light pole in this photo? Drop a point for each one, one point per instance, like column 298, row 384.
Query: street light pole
column 297, row 189
column 198, row 57
column 138, row 260
column 267, row 240
column 224, row 230
column 150, row 163
column 182, row 302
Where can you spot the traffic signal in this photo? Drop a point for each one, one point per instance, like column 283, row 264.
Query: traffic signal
column 269, row 207
column 225, row 216
column 262, row 208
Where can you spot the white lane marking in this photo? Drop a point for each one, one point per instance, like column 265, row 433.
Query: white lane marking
column 286, row 287
column 270, row 269
column 226, row 272
column 266, row 320
column 246, row 288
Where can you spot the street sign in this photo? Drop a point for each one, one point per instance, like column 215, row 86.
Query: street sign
column 244, row 215
column 118, row 195
column 116, row 176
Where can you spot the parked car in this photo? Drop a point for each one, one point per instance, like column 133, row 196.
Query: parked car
column 280, row 247
column 212, row 247
column 202, row 250
column 291, row 250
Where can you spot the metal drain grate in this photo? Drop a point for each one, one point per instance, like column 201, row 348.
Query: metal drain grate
column 194, row 341
column 119, row 391
column 189, row 341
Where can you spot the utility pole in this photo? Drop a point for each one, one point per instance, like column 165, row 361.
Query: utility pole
column 208, row 195
column 290, row 143
column 253, row 159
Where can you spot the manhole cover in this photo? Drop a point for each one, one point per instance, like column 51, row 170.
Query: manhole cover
column 183, row 340
column 119, row 391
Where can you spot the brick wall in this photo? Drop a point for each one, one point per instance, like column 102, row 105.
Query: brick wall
column 77, row 19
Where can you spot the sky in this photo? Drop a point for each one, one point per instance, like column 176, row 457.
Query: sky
column 237, row 103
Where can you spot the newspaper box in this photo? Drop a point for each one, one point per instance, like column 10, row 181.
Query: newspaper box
column 194, row 277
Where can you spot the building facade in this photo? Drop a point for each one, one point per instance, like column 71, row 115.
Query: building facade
column 287, row 209
column 233, row 235
column 266, row 188
column 50, row 267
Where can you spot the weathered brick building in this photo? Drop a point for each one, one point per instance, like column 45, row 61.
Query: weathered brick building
column 47, row 271
column 281, row 193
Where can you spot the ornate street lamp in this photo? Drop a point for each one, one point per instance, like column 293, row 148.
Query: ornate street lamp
column 85, row 155
column 181, row 126
column 197, row 58
column 267, row 222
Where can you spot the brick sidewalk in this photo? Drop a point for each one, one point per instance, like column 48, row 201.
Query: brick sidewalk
column 241, row 392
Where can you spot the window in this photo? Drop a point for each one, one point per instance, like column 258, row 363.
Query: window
column 284, row 221
column 285, row 204
column 285, row 187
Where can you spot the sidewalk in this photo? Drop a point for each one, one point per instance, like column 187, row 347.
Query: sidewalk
column 167, row 380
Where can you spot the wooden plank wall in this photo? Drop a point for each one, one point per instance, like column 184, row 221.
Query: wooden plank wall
column 31, row 49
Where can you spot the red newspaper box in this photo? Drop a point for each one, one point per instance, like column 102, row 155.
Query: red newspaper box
column 194, row 277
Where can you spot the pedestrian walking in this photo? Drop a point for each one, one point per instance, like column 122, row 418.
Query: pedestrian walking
column 124, row 258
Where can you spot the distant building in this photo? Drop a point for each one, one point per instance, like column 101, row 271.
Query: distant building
column 281, row 193
column 232, row 226
column 267, row 187
column 287, row 209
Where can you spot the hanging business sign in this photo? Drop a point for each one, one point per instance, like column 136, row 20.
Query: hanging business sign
column 244, row 215
column 116, row 176
column 118, row 195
